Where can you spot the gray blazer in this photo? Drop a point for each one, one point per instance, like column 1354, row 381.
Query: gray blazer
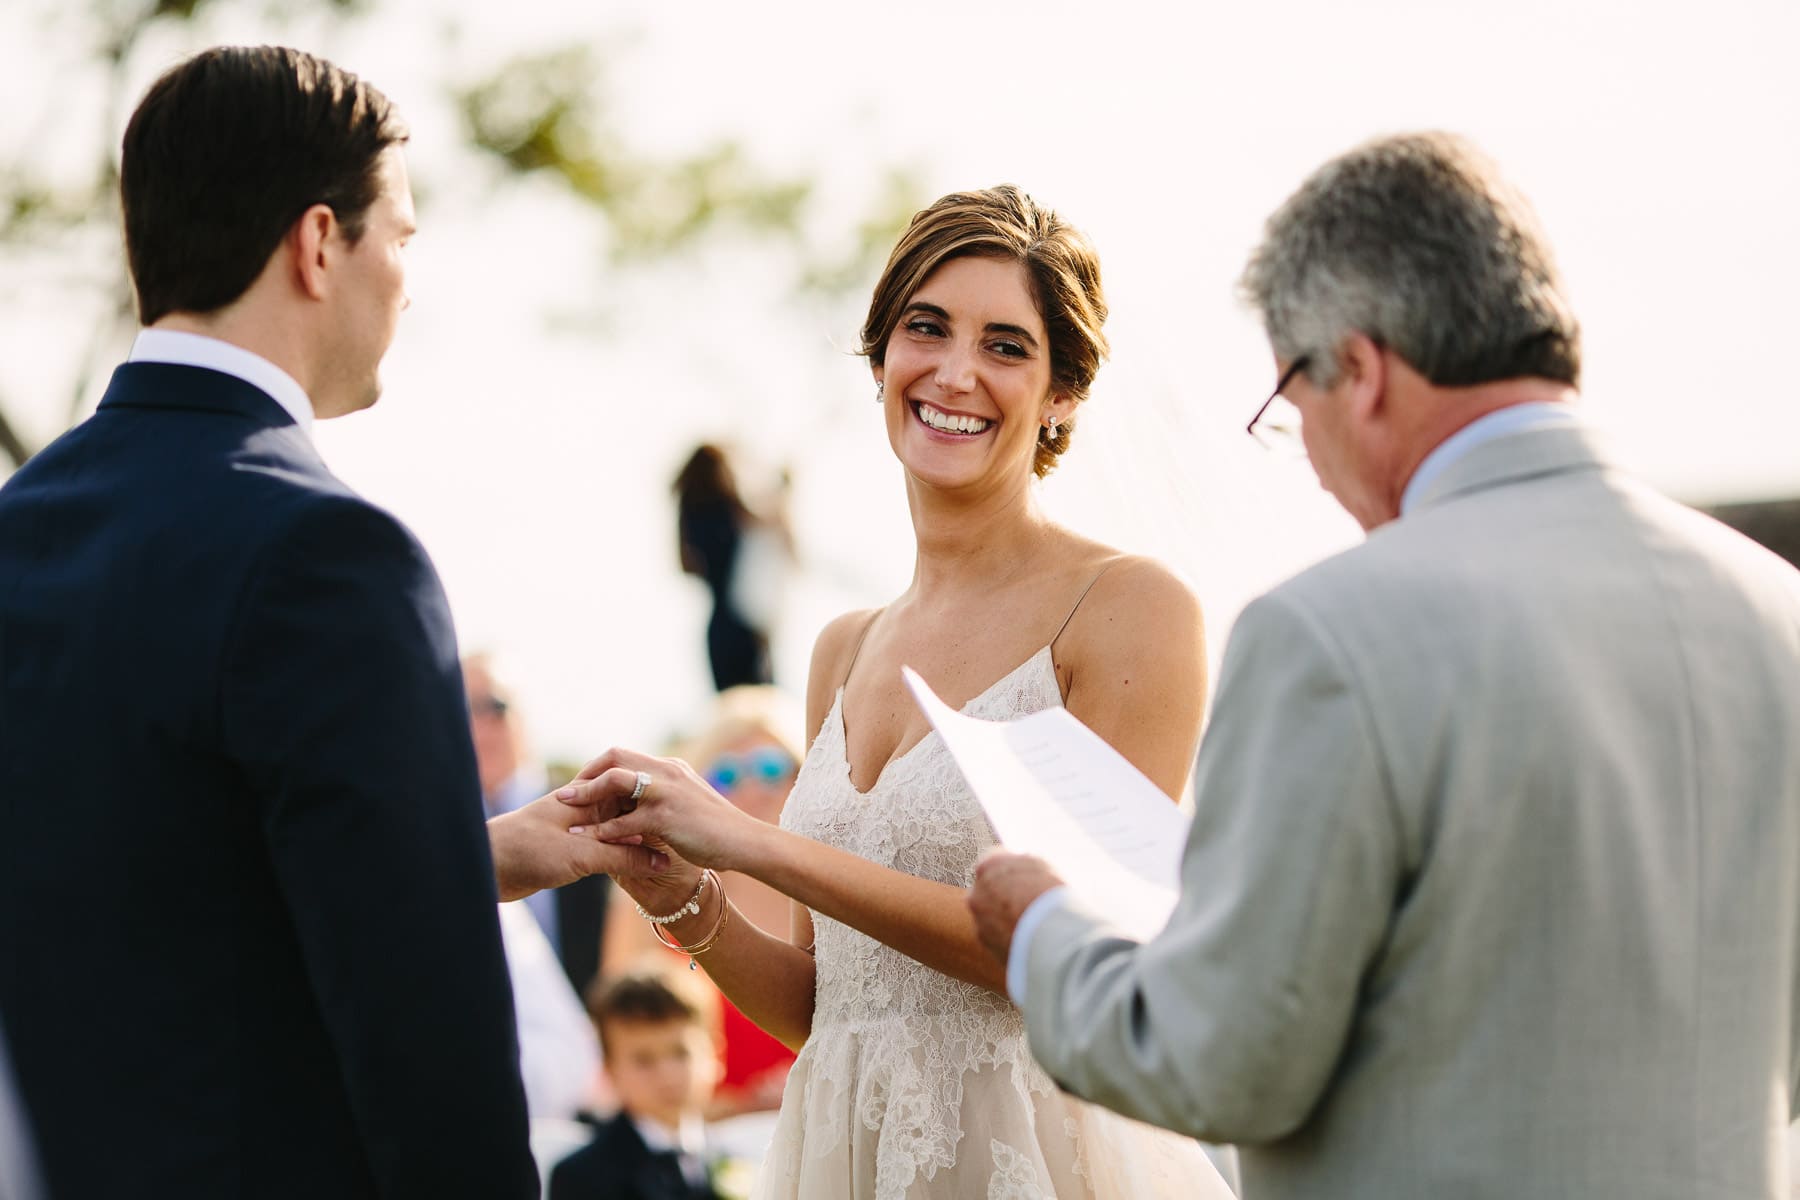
column 1493, row 888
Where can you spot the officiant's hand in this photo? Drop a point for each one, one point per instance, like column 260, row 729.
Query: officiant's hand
column 662, row 801
column 533, row 849
column 1005, row 886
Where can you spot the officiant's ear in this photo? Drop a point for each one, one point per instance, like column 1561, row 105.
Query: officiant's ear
column 1363, row 368
column 311, row 239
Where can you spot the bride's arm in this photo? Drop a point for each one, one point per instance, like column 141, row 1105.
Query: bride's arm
column 769, row 979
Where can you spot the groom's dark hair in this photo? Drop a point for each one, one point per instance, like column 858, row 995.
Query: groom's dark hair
column 224, row 154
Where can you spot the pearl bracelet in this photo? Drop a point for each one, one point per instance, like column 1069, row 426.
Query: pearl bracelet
column 690, row 909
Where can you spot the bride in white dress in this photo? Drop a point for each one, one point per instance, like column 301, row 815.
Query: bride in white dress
column 914, row 1078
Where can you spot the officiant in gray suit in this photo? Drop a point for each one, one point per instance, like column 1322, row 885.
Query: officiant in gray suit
column 1493, row 888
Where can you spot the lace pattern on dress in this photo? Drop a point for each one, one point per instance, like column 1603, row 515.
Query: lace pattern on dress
column 906, row 1068
column 892, row 1037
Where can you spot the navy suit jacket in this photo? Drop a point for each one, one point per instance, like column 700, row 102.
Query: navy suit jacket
column 248, row 943
column 617, row 1165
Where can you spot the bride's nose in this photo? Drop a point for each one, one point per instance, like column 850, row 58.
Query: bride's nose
column 956, row 369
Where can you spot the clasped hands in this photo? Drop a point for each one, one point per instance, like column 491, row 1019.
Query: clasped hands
column 656, row 845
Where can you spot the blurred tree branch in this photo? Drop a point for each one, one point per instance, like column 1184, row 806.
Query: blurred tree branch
column 547, row 114
column 539, row 115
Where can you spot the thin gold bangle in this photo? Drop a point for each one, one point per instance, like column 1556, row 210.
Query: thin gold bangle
column 706, row 943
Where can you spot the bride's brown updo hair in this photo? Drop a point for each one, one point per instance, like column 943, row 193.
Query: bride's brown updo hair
column 1004, row 223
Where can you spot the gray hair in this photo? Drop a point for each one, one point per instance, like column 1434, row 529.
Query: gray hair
column 1416, row 242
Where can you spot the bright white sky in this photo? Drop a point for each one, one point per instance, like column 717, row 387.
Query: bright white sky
column 538, row 405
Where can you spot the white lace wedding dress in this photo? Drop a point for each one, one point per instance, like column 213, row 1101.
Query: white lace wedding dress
column 916, row 1085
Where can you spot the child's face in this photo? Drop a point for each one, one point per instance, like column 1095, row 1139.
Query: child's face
column 661, row 1069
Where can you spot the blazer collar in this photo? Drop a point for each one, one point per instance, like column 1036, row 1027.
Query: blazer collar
column 1513, row 457
column 174, row 386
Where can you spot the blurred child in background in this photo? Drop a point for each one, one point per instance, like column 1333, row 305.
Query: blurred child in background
column 657, row 1044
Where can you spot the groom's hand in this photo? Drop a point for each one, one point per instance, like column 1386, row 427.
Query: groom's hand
column 533, row 849
column 1005, row 886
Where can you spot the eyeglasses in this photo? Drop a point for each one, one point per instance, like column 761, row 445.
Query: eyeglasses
column 487, row 706
column 1277, row 423
column 765, row 765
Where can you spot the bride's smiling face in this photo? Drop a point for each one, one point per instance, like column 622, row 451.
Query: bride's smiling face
column 967, row 375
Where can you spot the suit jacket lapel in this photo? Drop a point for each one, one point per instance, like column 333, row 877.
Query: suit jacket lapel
column 659, row 1176
column 655, row 1176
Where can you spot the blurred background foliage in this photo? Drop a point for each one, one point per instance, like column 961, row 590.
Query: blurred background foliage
column 549, row 114
column 541, row 115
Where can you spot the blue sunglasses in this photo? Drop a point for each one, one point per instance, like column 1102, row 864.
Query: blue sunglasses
column 765, row 764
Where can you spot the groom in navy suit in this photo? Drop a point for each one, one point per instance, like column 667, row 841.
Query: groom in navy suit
column 248, row 942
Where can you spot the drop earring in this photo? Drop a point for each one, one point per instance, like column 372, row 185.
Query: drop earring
column 1050, row 430
column 881, row 391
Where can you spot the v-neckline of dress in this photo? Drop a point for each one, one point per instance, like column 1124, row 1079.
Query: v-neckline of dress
column 837, row 708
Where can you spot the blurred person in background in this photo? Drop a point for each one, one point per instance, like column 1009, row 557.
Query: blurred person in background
column 558, row 1056
column 741, row 556
column 750, row 752
column 655, row 1026
column 914, row 1078
column 572, row 917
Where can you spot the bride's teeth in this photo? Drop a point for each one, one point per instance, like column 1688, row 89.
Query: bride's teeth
column 949, row 423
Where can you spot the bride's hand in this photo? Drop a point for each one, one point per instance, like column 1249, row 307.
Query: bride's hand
column 664, row 802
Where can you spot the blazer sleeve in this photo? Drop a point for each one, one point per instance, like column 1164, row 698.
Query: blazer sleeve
column 342, row 703
column 1228, row 1024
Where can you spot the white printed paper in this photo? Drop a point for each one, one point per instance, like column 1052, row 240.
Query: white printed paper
column 1051, row 787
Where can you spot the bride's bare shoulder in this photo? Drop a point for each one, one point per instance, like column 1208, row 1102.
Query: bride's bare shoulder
column 831, row 655
column 1136, row 601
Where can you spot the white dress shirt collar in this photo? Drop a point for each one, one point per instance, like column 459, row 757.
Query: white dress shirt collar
column 197, row 350
column 659, row 1138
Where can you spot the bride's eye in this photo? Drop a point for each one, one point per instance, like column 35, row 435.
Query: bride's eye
column 925, row 327
column 1010, row 350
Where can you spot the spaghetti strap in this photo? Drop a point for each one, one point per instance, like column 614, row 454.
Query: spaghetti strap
column 1084, row 592
column 857, row 653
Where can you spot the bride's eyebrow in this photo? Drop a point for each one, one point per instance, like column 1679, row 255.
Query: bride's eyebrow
column 930, row 310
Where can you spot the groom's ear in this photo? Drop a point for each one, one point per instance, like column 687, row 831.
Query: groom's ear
column 309, row 241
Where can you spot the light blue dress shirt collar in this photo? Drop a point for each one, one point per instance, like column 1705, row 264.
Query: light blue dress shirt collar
column 1514, row 419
